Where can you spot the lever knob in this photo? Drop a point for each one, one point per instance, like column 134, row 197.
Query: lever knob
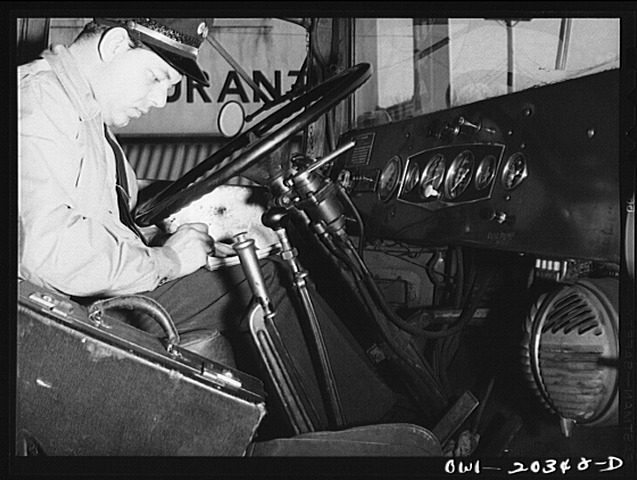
column 498, row 217
column 275, row 218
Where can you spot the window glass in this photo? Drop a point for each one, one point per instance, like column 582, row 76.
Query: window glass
column 425, row 65
column 270, row 53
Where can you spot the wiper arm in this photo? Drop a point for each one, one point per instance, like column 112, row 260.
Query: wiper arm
column 242, row 73
column 268, row 103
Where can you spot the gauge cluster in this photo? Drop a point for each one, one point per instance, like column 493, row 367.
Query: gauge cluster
column 453, row 174
column 496, row 174
column 449, row 175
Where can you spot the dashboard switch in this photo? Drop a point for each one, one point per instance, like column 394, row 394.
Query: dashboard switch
column 498, row 217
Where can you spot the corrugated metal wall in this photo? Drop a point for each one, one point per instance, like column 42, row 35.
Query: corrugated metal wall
column 169, row 158
column 166, row 160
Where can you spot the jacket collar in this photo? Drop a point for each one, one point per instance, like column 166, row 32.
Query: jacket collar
column 73, row 81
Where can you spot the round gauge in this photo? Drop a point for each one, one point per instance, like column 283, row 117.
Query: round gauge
column 389, row 179
column 459, row 175
column 432, row 177
column 411, row 178
column 485, row 172
column 514, row 171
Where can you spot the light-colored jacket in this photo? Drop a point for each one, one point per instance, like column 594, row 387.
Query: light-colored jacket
column 70, row 237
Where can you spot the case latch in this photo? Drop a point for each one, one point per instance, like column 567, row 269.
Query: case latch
column 57, row 306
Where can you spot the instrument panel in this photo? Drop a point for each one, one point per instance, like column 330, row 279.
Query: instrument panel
column 450, row 175
column 536, row 171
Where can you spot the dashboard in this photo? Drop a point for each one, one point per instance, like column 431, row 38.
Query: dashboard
column 536, row 172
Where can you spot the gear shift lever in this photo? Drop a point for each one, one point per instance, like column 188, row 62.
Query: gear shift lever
column 277, row 360
column 277, row 218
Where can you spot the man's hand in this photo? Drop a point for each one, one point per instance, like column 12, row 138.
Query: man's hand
column 223, row 250
column 192, row 244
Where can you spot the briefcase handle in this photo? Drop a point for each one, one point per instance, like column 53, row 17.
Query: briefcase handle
column 141, row 303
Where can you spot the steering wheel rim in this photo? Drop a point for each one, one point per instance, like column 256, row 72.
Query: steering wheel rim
column 257, row 142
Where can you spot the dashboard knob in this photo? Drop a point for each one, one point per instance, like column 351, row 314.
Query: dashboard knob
column 463, row 122
column 498, row 217
column 275, row 218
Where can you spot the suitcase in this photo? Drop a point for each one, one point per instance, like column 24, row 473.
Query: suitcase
column 98, row 386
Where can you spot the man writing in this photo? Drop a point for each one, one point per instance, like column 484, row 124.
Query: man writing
column 76, row 191
column 64, row 105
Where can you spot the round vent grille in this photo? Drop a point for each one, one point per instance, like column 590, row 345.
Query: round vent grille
column 570, row 351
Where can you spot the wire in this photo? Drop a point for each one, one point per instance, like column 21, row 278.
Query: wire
column 422, row 222
column 459, row 291
column 380, row 301
column 359, row 285
column 480, row 412
column 359, row 220
column 447, row 348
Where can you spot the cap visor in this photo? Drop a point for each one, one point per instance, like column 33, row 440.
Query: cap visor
column 183, row 65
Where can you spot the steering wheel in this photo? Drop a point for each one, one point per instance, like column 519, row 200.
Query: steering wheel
column 255, row 143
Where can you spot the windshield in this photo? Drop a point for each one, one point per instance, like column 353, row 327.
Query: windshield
column 425, row 65
column 421, row 65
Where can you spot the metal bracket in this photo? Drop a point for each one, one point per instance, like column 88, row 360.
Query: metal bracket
column 58, row 307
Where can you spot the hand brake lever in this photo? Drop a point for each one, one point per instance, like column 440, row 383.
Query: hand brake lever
column 275, row 356
column 276, row 218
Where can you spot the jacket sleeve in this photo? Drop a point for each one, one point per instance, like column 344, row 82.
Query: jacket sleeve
column 62, row 244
